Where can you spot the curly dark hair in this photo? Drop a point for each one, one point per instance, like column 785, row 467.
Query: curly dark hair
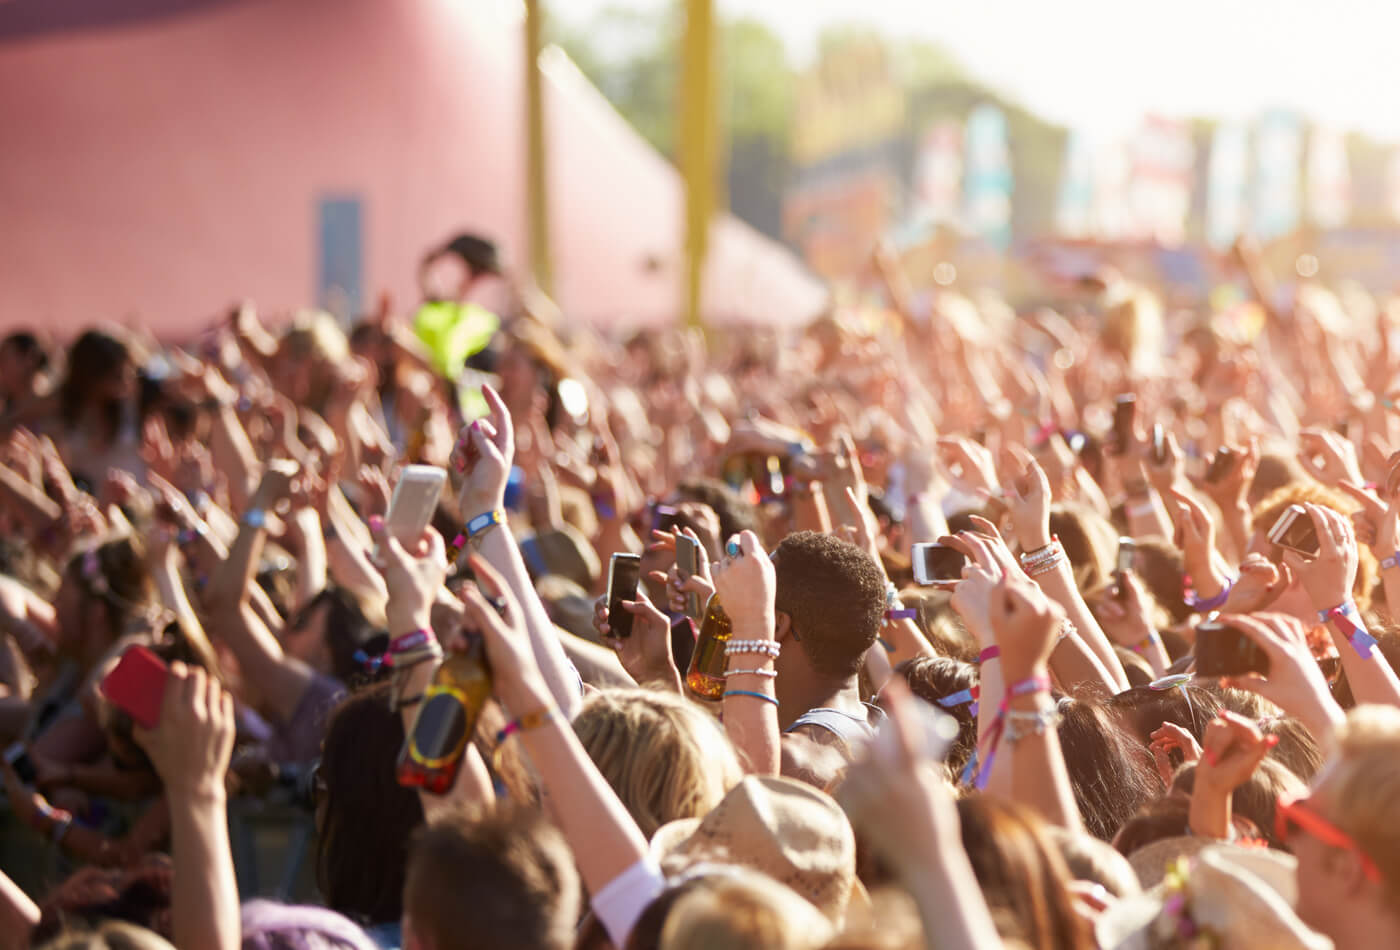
column 834, row 594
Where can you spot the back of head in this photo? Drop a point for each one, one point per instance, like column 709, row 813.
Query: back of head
column 735, row 513
column 362, row 846
column 1021, row 874
column 491, row 880
column 1362, row 787
column 268, row 925
column 744, row 910
column 665, row 758
column 947, row 684
column 1110, row 773
column 834, row 594
column 1093, row 859
column 1089, row 541
column 109, row 936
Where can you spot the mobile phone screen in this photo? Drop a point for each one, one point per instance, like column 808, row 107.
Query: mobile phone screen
column 687, row 562
column 1124, row 412
column 1299, row 535
column 624, row 572
column 939, row 563
column 1225, row 651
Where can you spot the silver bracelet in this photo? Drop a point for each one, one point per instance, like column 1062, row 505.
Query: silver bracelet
column 1023, row 723
column 767, row 647
column 768, row 674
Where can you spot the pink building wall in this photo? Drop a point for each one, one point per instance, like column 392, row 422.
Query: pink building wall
column 166, row 170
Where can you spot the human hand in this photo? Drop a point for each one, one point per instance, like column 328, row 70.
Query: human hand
column 1194, row 533
column 483, row 455
column 1261, row 582
column 746, row 583
column 1377, row 522
column 1329, row 577
column 646, row 654
column 276, row 485
column 1232, row 488
column 191, row 745
column 1170, row 737
column 1026, row 624
column 1028, row 500
column 1125, row 613
column 1294, row 682
column 972, row 601
column 968, row 464
column 412, row 578
column 898, row 802
column 1166, row 473
column 1232, row 750
column 1328, row 457
column 515, row 674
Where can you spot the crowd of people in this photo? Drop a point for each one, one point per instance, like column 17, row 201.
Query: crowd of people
column 1143, row 708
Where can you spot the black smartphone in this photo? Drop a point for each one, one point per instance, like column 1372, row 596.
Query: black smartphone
column 1124, row 414
column 624, row 573
column 17, row 756
column 1222, row 650
column 934, row 562
column 1295, row 531
column 687, row 563
column 1220, row 464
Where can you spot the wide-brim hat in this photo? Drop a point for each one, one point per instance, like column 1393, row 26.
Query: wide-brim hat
column 784, row 828
column 1238, row 898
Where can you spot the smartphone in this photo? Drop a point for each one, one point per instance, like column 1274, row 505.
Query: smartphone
column 1220, row 464
column 1222, row 650
column 415, row 499
column 1159, row 444
column 687, row 563
column 1295, row 531
column 934, row 562
column 1127, row 550
column 17, row 757
column 624, row 572
column 1124, row 414
column 136, row 686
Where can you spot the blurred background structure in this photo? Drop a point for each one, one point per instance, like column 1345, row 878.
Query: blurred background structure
column 180, row 154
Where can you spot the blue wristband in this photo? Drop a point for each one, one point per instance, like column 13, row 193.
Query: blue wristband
column 485, row 522
column 748, row 692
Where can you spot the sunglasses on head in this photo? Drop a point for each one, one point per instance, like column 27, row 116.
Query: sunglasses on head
column 1294, row 813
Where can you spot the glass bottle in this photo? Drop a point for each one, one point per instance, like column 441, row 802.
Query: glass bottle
column 705, row 677
column 433, row 749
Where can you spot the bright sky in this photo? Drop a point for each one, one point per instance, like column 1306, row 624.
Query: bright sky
column 1100, row 64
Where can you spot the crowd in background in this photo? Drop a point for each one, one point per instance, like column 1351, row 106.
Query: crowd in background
column 1021, row 754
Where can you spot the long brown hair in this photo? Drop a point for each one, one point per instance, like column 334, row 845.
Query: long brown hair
column 1022, row 875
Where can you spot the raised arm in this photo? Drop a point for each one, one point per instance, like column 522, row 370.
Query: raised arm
column 746, row 584
column 483, row 456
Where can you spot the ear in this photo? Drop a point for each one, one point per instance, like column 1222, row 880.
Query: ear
column 782, row 631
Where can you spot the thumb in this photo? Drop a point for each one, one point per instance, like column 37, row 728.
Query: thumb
column 1360, row 494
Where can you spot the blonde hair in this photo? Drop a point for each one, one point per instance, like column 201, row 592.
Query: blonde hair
column 1363, row 788
column 664, row 756
column 742, row 909
column 1297, row 493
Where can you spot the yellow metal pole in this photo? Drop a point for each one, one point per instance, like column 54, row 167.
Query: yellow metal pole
column 699, row 146
column 536, row 169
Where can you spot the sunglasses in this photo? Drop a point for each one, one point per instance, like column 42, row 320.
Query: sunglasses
column 1294, row 813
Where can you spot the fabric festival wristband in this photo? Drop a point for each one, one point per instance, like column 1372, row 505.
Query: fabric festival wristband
column 991, row 653
column 526, row 722
column 962, row 697
column 1345, row 616
column 411, row 641
column 1151, row 640
column 751, row 694
column 1188, row 596
column 902, row 613
column 484, row 522
column 987, row 748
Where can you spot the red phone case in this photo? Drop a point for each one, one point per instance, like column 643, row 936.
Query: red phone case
column 136, row 686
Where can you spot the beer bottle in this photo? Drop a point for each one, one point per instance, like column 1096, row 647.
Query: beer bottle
column 705, row 678
column 432, row 750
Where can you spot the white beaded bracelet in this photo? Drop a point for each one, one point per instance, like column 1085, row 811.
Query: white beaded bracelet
column 767, row 674
column 767, row 647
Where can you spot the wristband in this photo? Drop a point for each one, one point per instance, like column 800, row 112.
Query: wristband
column 961, row 698
column 1392, row 561
column 751, row 694
column 770, row 648
column 1141, row 647
column 1042, row 551
column 254, row 518
column 991, row 653
column 526, row 722
column 1140, row 511
column 1345, row 616
column 902, row 613
column 1188, row 596
column 987, row 748
column 483, row 523
column 766, row 674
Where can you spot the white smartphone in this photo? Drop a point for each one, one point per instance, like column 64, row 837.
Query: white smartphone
column 1295, row 531
column 934, row 562
column 415, row 498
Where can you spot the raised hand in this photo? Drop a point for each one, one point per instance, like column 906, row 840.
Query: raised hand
column 645, row 655
column 1328, row 457
column 1026, row 624
column 412, row 578
column 746, row 583
column 970, row 465
column 515, row 675
column 483, row 455
column 1232, row 488
column 1232, row 749
column 1028, row 499
column 191, row 745
column 1329, row 577
column 1168, row 738
column 1295, row 682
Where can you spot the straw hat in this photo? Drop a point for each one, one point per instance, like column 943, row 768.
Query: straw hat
column 1227, row 897
column 788, row 830
column 1151, row 861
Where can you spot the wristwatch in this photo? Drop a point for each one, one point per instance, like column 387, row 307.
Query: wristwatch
column 255, row 518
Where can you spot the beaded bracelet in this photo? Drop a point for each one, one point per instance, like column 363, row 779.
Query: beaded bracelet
column 751, row 694
column 1030, row 722
column 1046, row 566
column 1043, row 551
column 766, row 647
column 767, row 674
column 1141, row 648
